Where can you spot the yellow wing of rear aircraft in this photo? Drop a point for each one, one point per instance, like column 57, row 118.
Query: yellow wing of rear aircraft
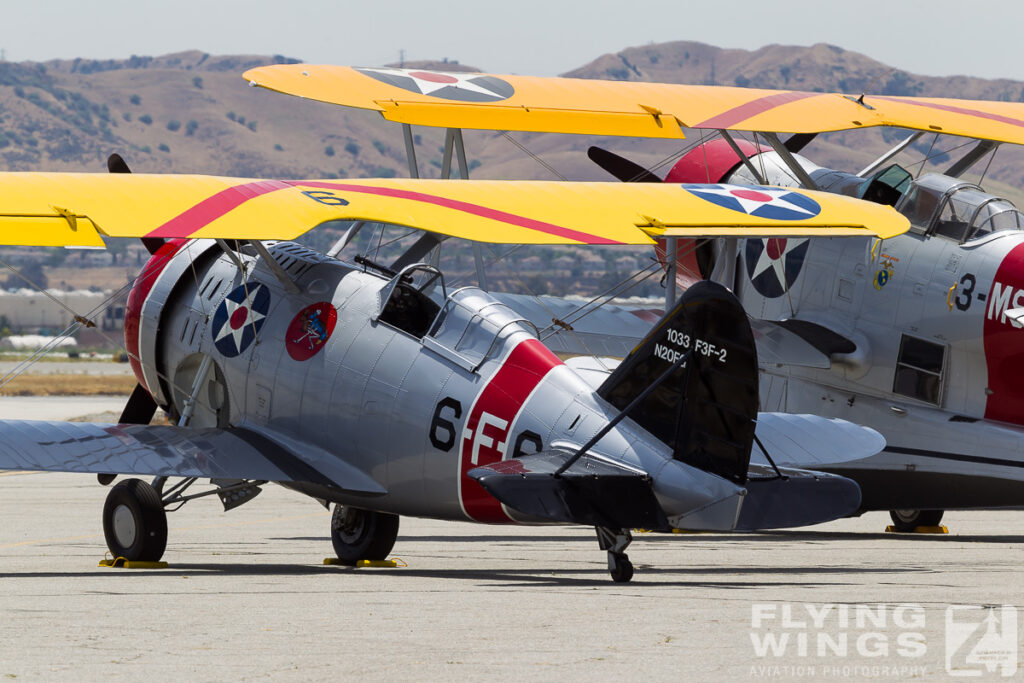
column 625, row 108
column 53, row 209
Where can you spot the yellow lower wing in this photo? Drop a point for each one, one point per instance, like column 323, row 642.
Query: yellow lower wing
column 70, row 208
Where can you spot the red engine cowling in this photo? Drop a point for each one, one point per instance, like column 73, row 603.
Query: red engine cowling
column 712, row 162
column 144, row 282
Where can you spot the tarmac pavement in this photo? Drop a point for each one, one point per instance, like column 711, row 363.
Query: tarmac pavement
column 246, row 596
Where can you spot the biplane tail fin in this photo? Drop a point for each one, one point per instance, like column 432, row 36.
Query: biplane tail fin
column 707, row 408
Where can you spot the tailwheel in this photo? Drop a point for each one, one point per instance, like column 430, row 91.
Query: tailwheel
column 134, row 521
column 909, row 520
column 620, row 567
column 615, row 541
column 362, row 534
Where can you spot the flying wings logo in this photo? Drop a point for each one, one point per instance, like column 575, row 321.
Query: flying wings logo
column 459, row 87
column 773, row 203
column 238, row 319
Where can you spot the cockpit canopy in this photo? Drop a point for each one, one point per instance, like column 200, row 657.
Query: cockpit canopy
column 952, row 208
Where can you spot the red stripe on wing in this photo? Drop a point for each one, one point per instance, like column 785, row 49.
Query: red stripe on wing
column 210, row 209
column 737, row 115
column 187, row 223
column 474, row 209
column 956, row 110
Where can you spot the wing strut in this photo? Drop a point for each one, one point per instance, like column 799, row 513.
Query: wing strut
column 881, row 161
column 746, row 161
column 791, row 163
column 453, row 142
column 275, row 267
column 410, row 151
column 966, row 161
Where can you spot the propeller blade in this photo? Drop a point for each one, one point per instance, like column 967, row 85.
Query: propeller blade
column 795, row 143
column 116, row 164
column 140, row 408
column 620, row 167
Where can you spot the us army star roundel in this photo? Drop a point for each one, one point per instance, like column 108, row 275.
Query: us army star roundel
column 460, row 87
column 774, row 264
column 238, row 319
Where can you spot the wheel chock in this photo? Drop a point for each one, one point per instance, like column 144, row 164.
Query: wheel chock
column 121, row 563
column 918, row 530
column 379, row 564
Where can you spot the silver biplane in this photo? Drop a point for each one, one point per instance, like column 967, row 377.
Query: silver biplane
column 917, row 335
column 374, row 387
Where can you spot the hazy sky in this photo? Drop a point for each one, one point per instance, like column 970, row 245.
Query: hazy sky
column 541, row 37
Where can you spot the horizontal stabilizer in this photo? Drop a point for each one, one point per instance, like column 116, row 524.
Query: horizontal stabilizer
column 811, row 441
column 593, row 492
column 820, row 337
column 233, row 453
column 778, row 345
column 797, row 498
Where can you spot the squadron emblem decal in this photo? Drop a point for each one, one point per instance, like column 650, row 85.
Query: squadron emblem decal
column 460, row 87
column 773, row 265
column 238, row 319
column 773, row 203
column 309, row 330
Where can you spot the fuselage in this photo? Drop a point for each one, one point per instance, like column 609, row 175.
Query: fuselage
column 923, row 349
column 391, row 375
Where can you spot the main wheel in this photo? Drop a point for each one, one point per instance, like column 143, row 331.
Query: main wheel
column 908, row 520
column 134, row 521
column 362, row 534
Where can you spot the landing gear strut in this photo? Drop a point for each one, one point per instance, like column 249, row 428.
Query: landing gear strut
column 362, row 534
column 615, row 541
column 135, row 513
column 134, row 521
column 908, row 520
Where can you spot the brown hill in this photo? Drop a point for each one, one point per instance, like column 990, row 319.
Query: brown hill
column 192, row 112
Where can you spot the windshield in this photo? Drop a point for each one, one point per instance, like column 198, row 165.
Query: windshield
column 957, row 210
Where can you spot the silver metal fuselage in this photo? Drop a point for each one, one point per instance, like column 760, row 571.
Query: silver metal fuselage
column 412, row 412
column 952, row 428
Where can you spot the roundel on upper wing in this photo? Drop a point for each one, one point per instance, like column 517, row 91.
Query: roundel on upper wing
column 774, row 264
column 238, row 319
column 773, row 203
column 459, row 87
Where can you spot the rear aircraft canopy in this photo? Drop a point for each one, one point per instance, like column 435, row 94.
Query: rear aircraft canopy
column 940, row 205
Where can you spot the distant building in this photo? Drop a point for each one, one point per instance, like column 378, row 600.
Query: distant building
column 28, row 310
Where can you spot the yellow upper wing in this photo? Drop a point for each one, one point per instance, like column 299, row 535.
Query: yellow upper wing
column 624, row 108
column 74, row 206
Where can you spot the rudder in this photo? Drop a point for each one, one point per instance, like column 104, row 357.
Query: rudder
column 706, row 410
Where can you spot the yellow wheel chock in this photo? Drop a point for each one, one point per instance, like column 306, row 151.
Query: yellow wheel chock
column 918, row 530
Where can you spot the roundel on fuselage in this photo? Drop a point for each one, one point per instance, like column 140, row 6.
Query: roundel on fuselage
column 238, row 318
column 774, row 264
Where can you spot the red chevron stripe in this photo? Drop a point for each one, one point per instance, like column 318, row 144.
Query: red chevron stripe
column 748, row 110
column 205, row 212
column 955, row 110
